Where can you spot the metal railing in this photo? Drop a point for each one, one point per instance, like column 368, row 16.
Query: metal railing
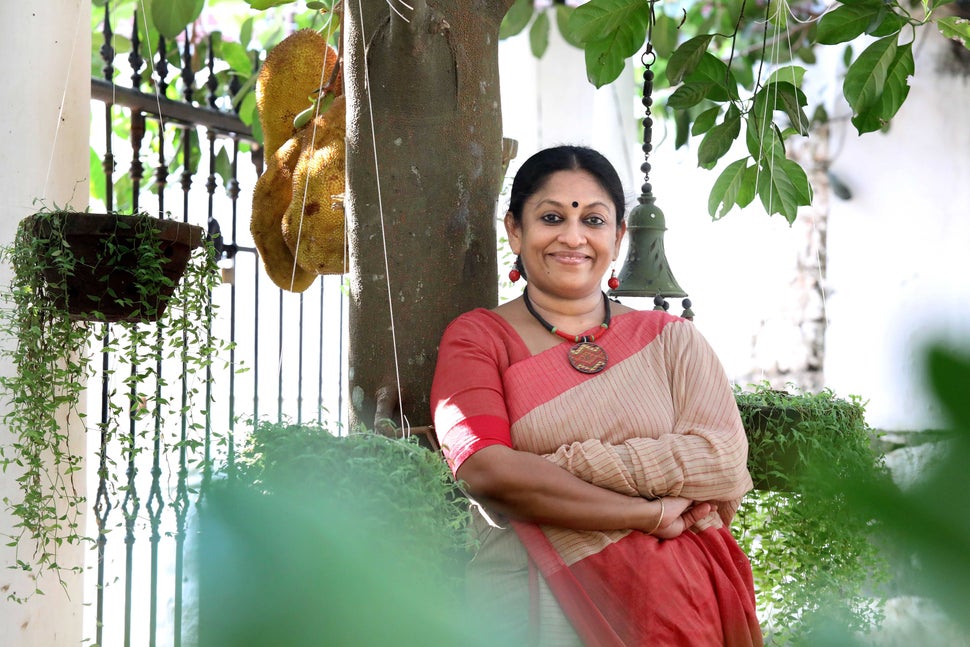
column 285, row 357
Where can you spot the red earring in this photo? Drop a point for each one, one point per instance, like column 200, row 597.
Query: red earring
column 514, row 275
column 614, row 282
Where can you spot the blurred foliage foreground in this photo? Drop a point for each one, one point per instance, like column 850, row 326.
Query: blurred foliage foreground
column 360, row 540
column 315, row 539
column 930, row 521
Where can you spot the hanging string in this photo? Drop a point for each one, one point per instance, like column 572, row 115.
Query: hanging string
column 60, row 108
column 151, row 57
column 390, row 3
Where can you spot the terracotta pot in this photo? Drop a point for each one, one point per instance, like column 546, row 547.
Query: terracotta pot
column 100, row 290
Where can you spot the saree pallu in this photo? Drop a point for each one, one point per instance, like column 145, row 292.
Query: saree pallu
column 695, row 590
column 660, row 420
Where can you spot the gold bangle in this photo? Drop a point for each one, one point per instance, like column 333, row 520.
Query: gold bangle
column 660, row 519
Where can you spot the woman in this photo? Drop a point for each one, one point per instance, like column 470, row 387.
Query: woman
column 603, row 444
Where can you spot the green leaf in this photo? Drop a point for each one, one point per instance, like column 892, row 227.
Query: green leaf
column 612, row 31
column 539, row 34
column 262, row 5
column 237, row 57
column 682, row 130
column 96, row 175
column 783, row 187
column 876, row 84
column 954, row 27
column 748, row 189
column 786, row 97
column 686, row 57
column 889, row 22
column 719, row 140
column 563, row 14
column 665, row 36
column 729, row 185
column 790, row 74
column 687, row 95
column 599, row 19
column 516, row 19
column 223, row 166
column 246, row 31
column 712, row 71
column 172, row 16
column 846, row 23
column 705, row 121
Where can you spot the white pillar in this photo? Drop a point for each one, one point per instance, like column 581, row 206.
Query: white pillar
column 44, row 120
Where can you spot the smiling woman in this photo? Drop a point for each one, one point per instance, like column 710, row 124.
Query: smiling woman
column 622, row 504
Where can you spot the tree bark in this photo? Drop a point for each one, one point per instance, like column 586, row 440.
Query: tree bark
column 424, row 166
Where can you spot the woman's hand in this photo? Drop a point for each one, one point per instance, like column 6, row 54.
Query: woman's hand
column 679, row 514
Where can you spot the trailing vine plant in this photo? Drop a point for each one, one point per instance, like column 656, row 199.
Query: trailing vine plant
column 810, row 546
column 52, row 351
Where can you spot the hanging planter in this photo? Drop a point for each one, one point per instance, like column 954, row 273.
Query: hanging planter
column 789, row 434
column 810, row 547
column 110, row 267
column 73, row 273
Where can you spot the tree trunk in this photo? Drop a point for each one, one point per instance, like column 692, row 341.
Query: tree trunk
column 424, row 154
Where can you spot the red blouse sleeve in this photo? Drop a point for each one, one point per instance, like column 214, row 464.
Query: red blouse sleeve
column 467, row 396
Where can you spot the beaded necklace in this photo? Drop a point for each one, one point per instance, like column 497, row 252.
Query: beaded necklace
column 585, row 356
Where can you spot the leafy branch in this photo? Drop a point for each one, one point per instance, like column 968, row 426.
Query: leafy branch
column 709, row 53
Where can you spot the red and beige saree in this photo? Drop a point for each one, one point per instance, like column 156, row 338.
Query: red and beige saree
column 660, row 420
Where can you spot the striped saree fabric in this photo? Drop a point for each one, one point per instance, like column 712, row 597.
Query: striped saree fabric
column 660, row 420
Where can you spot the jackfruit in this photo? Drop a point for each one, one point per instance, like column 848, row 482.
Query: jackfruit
column 287, row 82
column 313, row 225
column 271, row 197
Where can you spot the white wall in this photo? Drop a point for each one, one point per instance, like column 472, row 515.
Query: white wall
column 44, row 113
column 899, row 250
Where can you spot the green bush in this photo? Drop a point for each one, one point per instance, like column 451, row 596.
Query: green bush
column 315, row 539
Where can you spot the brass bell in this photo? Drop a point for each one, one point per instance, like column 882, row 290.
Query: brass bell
column 645, row 271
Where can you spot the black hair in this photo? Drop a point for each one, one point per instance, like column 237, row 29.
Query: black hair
column 536, row 170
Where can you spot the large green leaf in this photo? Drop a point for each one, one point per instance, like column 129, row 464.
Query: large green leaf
column 687, row 95
column 789, row 73
column 539, row 34
column 711, row 71
column 734, row 186
column 705, row 121
column 171, row 17
column 953, row 27
column 718, row 141
column 847, row 22
column 877, row 84
column 686, row 57
column 785, row 97
column 612, row 31
column 762, row 137
column 665, row 35
column 599, row 19
column 516, row 19
column 237, row 57
column 262, row 5
column 563, row 13
column 783, row 187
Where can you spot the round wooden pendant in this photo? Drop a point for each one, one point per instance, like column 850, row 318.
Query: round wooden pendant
column 587, row 357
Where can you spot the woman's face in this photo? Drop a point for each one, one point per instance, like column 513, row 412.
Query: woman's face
column 568, row 235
